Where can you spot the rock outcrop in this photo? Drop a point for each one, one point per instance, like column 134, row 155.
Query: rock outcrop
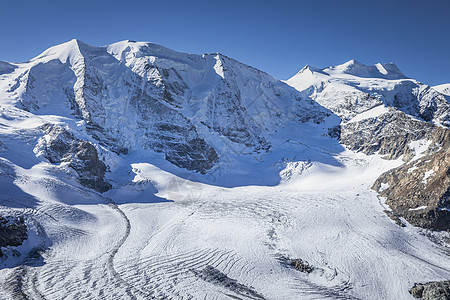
column 13, row 232
column 419, row 190
column 60, row 146
column 431, row 290
column 389, row 134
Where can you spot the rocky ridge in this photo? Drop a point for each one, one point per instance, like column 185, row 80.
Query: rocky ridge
column 432, row 290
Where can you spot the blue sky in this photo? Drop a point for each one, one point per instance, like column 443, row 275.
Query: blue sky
column 278, row 37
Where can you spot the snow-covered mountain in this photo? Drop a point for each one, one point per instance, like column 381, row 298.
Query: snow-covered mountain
column 385, row 112
column 353, row 88
column 131, row 96
column 443, row 89
column 132, row 171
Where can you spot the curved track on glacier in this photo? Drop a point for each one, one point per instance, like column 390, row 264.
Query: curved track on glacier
column 225, row 246
column 131, row 290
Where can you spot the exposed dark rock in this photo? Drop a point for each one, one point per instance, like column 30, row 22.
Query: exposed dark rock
column 419, row 191
column 214, row 276
column 202, row 156
column 167, row 131
column 388, row 134
column 432, row 290
column 61, row 146
column 301, row 265
column 13, row 232
column 335, row 132
column 297, row 263
column 394, row 217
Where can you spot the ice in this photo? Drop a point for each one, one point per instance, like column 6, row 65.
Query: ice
column 165, row 232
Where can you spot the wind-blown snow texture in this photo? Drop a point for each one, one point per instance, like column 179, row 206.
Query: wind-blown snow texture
column 141, row 172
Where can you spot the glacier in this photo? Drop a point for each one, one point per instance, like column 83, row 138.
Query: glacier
column 141, row 172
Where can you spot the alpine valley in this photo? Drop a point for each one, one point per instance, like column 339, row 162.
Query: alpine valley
column 132, row 171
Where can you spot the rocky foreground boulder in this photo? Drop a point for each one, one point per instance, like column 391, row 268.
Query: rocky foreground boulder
column 13, row 232
column 432, row 290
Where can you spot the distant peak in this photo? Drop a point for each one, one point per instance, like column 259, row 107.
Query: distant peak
column 349, row 65
column 76, row 41
column 69, row 52
column 309, row 68
column 353, row 62
column 64, row 52
column 355, row 68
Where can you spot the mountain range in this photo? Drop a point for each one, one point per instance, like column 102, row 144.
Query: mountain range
column 135, row 171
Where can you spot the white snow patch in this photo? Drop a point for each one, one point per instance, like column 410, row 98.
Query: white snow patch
column 443, row 89
column 426, row 176
column 381, row 69
column 418, row 208
column 384, row 186
column 218, row 67
column 412, row 169
column 371, row 113
column 419, row 147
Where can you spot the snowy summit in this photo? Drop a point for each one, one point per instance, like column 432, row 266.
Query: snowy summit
column 133, row 171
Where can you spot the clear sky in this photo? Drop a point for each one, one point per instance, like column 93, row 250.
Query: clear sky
column 278, row 37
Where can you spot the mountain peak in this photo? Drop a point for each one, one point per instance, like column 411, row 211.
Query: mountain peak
column 140, row 49
column 355, row 68
column 65, row 52
column 309, row 68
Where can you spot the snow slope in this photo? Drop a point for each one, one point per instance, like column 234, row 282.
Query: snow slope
column 219, row 175
column 443, row 88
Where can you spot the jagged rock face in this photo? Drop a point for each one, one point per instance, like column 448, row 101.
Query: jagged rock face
column 168, row 131
column 388, row 134
column 13, row 232
column 431, row 290
column 419, row 191
column 60, row 146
